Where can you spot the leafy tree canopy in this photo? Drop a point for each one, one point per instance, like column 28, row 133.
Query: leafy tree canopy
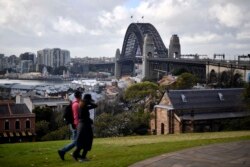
column 185, row 81
column 179, row 71
column 247, row 91
column 59, row 70
column 42, row 114
column 141, row 90
column 246, row 94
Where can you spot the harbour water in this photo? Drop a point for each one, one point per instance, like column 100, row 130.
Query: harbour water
column 33, row 82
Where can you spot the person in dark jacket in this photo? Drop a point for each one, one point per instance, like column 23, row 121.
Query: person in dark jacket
column 84, row 130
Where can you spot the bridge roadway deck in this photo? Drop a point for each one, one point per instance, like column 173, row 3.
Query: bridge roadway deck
column 245, row 65
column 222, row 63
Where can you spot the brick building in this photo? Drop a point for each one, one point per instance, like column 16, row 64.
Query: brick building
column 181, row 111
column 17, row 123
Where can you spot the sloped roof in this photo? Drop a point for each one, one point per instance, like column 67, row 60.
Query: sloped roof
column 4, row 110
column 19, row 109
column 205, row 98
column 11, row 109
column 46, row 100
column 23, row 87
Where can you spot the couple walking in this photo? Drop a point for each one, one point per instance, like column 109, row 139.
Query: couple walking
column 81, row 129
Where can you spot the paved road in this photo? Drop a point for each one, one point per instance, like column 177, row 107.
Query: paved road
column 235, row 154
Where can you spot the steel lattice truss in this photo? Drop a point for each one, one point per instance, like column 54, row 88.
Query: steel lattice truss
column 133, row 41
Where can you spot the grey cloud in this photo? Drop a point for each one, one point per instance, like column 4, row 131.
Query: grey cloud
column 97, row 28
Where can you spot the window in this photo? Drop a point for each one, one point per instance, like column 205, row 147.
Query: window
column 17, row 124
column 27, row 124
column 183, row 97
column 6, row 125
column 221, row 96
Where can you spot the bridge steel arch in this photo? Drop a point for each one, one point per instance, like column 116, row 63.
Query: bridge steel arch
column 132, row 47
column 134, row 38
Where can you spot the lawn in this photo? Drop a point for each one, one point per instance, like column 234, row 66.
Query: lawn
column 110, row 152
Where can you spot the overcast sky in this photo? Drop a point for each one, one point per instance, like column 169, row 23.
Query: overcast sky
column 96, row 28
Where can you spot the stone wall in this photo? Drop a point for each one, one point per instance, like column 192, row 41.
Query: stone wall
column 162, row 121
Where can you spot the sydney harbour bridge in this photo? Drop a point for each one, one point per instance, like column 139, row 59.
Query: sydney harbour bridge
column 142, row 44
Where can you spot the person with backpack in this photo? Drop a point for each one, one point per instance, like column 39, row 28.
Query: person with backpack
column 85, row 132
column 73, row 123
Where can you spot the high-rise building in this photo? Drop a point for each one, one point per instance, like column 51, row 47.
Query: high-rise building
column 44, row 57
column 13, row 62
column 56, row 55
column 28, row 56
column 174, row 47
column 26, row 66
column 53, row 57
column 2, row 62
column 66, row 57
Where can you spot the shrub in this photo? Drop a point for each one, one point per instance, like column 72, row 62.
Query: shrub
column 236, row 124
column 60, row 134
column 42, row 128
column 122, row 124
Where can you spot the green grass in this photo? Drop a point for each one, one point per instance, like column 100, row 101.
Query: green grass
column 110, row 152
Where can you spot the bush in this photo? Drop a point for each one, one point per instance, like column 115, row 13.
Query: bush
column 48, row 123
column 141, row 122
column 122, row 124
column 60, row 134
column 42, row 128
column 236, row 124
column 106, row 125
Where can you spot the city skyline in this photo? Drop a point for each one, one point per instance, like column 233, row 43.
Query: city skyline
column 97, row 29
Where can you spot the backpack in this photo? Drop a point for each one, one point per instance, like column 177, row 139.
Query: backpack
column 68, row 114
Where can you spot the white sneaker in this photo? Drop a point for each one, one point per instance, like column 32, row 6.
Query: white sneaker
column 83, row 159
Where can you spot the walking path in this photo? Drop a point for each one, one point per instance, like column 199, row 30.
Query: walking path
column 235, row 154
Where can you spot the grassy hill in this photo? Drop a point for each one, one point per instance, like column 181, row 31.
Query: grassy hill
column 110, row 152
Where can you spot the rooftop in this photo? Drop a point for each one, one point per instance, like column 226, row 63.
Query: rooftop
column 205, row 98
column 11, row 109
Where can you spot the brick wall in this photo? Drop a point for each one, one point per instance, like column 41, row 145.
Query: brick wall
column 12, row 124
column 177, row 126
column 162, row 122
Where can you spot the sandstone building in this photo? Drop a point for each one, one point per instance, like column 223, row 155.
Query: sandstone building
column 181, row 111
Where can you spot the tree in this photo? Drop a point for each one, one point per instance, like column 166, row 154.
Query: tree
column 49, row 69
column 59, row 70
column 139, row 122
column 246, row 95
column 141, row 95
column 113, row 107
column 139, row 91
column 59, row 134
column 179, row 71
column 237, row 81
column 47, row 121
column 185, row 81
column 122, row 124
column 42, row 128
column 225, row 79
column 106, row 125
column 43, row 114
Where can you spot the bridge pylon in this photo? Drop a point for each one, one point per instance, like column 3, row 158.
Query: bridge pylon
column 117, row 64
column 148, row 52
